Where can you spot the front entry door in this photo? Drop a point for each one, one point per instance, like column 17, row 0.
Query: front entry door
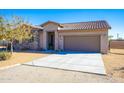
column 51, row 40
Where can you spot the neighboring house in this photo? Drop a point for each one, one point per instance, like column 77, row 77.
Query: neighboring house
column 89, row 36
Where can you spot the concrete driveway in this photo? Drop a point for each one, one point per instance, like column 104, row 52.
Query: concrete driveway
column 84, row 62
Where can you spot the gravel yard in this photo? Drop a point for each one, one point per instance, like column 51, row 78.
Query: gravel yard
column 32, row 74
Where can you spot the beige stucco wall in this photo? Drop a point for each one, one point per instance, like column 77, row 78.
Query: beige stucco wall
column 103, row 38
column 45, row 40
column 104, row 43
column 56, row 40
column 41, row 40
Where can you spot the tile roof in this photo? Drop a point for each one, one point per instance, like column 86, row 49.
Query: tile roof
column 85, row 25
column 33, row 26
column 37, row 27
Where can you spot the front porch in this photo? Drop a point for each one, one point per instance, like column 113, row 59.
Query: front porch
column 50, row 40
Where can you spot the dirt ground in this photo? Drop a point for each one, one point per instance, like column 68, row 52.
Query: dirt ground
column 21, row 57
column 114, row 63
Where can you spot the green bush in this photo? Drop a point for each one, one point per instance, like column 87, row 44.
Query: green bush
column 5, row 55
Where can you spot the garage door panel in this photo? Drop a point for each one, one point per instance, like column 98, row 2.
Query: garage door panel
column 82, row 43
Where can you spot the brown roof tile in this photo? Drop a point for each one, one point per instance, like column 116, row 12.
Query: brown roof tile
column 85, row 25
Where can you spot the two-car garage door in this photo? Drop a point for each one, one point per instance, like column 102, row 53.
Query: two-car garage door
column 82, row 43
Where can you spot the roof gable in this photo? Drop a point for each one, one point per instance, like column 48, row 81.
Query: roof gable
column 50, row 22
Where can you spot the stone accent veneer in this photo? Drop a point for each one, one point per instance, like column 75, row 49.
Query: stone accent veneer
column 29, row 44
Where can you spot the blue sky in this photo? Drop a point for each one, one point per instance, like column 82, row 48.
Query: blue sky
column 114, row 17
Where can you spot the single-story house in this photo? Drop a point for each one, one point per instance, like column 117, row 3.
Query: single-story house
column 89, row 36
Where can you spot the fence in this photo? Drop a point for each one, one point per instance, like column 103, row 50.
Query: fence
column 119, row 44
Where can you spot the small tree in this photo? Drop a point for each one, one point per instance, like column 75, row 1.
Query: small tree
column 2, row 28
column 16, row 30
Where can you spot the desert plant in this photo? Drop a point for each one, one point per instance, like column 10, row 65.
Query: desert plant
column 4, row 55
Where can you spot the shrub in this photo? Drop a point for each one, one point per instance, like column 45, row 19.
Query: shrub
column 5, row 55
